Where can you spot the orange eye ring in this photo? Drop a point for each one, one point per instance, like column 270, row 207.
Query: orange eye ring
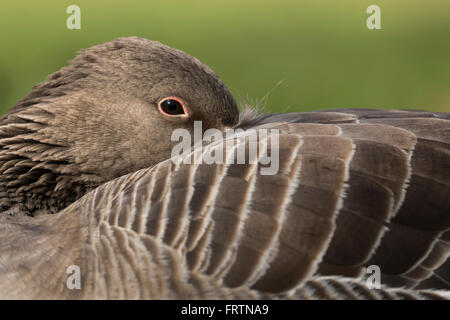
column 173, row 107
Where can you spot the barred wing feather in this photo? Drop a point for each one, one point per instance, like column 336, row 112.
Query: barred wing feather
column 354, row 188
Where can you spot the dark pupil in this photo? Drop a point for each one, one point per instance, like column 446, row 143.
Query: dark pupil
column 172, row 107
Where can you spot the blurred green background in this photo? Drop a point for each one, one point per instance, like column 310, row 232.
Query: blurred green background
column 321, row 50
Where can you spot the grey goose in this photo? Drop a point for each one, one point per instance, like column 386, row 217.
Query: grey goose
column 86, row 180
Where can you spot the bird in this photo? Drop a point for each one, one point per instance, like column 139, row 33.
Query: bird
column 88, row 179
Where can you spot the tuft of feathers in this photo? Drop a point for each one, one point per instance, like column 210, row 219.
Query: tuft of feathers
column 248, row 113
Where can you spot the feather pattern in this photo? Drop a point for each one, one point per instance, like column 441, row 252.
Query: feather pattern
column 355, row 187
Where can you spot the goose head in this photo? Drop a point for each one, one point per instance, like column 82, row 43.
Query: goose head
column 110, row 112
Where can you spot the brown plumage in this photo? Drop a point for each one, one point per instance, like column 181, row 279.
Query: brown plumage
column 355, row 187
column 97, row 119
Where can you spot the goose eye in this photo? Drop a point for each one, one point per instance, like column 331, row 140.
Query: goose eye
column 172, row 107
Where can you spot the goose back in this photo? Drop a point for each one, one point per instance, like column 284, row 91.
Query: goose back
column 354, row 188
